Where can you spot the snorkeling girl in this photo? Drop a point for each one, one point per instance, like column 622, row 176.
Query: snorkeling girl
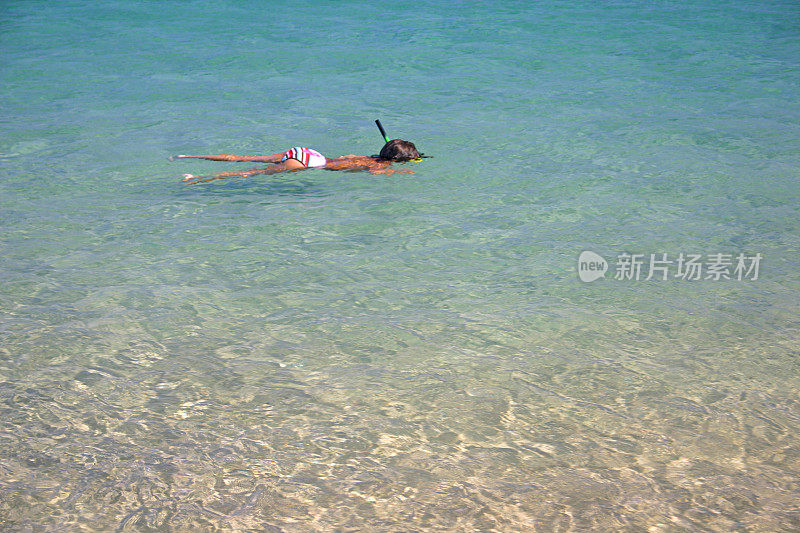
column 300, row 157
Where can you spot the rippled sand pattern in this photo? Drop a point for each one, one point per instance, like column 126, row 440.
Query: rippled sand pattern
column 509, row 432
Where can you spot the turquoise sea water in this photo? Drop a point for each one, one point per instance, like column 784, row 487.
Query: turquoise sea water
column 336, row 351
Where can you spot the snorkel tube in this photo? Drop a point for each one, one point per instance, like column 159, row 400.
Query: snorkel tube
column 383, row 131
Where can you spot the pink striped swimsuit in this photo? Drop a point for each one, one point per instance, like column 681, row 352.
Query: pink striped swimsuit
column 307, row 156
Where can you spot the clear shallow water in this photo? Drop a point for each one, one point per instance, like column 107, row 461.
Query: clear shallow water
column 337, row 350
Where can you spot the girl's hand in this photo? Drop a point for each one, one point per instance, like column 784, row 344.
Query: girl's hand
column 391, row 171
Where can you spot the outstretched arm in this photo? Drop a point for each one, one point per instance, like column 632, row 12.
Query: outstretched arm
column 361, row 162
column 391, row 171
column 274, row 158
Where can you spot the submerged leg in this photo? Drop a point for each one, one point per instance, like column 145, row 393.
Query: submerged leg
column 191, row 179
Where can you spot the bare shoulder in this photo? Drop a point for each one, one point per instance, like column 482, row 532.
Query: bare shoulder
column 353, row 161
column 352, row 157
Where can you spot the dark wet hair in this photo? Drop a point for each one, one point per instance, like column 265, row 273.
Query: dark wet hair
column 399, row 150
